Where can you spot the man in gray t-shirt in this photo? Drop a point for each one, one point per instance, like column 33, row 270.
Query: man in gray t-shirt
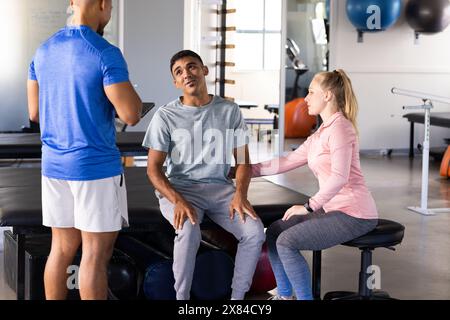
column 199, row 135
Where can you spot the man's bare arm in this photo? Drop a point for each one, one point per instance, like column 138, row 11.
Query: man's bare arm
column 240, row 203
column 243, row 170
column 33, row 100
column 126, row 101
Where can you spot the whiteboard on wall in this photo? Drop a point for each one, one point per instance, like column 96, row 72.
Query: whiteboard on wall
column 24, row 25
column 45, row 17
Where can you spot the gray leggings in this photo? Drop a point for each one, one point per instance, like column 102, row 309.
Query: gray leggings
column 315, row 231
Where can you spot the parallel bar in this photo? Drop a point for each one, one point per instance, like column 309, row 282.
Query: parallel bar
column 420, row 95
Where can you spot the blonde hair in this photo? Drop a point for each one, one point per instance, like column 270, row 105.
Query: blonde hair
column 340, row 85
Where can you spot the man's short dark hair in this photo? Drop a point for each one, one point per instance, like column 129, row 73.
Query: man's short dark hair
column 181, row 54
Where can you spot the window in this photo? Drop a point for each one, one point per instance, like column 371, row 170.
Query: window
column 258, row 34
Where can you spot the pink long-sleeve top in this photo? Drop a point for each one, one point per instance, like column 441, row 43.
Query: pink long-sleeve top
column 332, row 153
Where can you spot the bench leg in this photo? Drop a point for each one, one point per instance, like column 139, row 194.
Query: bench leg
column 316, row 274
column 20, row 276
column 411, row 140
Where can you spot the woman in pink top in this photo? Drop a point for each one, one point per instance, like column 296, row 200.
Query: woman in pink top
column 342, row 209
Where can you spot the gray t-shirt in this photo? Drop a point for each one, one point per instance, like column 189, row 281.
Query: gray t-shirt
column 199, row 141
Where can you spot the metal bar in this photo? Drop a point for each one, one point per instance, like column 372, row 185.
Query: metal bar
column 428, row 100
column 425, row 161
column 420, row 95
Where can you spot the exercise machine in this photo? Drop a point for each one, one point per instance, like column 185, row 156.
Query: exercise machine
column 293, row 52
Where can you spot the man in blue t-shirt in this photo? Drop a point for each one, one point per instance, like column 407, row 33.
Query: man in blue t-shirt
column 77, row 82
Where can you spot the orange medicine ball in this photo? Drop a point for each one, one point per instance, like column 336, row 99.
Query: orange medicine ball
column 445, row 164
column 298, row 123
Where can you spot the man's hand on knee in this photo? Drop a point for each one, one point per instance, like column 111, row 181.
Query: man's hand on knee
column 183, row 210
column 242, row 206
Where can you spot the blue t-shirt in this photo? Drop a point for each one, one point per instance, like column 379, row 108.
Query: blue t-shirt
column 76, row 118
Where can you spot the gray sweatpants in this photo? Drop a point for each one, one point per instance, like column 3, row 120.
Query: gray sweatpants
column 213, row 200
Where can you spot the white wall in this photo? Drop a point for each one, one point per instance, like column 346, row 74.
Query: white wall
column 200, row 36
column 23, row 26
column 153, row 32
column 385, row 60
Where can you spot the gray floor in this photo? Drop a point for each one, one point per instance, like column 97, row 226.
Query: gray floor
column 420, row 267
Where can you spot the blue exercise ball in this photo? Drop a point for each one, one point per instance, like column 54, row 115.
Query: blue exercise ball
column 373, row 15
column 159, row 282
column 428, row 16
column 212, row 275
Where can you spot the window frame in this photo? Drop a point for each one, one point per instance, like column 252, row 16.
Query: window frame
column 264, row 32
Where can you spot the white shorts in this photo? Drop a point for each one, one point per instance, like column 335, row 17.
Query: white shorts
column 91, row 206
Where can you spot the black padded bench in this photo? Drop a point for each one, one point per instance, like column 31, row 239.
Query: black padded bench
column 20, row 206
column 28, row 145
column 439, row 119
